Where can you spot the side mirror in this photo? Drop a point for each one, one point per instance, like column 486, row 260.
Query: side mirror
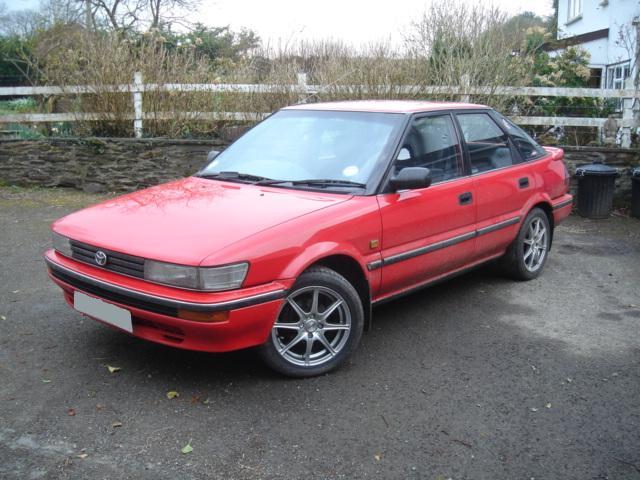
column 212, row 155
column 410, row 178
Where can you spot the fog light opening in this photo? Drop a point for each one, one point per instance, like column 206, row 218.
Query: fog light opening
column 205, row 317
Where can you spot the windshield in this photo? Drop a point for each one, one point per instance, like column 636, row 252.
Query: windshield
column 338, row 148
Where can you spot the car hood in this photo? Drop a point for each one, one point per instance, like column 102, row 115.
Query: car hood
column 187, row 220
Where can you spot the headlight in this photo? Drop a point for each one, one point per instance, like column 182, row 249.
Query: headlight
column 213, row 279
column 61, row 244
column 223, row 278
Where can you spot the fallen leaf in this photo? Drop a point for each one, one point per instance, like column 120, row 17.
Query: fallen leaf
column 83, row 455
column 71, row 412
column 195, row 399
column 46, row 381
column 548, row 405
column 99, row 407
column 378, row 457
column 113, row 369
column 172, row 394
column 534, row 409
column 569, row 380
column 3, row 317
column 187, row 448
column 206, row 402
column 116, row 424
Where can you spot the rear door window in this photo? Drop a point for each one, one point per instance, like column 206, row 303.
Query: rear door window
column 488, row 145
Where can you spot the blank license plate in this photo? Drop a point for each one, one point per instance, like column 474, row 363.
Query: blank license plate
column 94, row 307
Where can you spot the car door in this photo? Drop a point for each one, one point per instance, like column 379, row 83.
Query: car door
column 501, row 183
column 428, row 231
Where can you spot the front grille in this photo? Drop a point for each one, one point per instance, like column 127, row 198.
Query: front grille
column 116, row 261
column 113, row 296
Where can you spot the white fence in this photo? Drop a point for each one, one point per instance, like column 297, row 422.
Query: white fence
column 628, row 96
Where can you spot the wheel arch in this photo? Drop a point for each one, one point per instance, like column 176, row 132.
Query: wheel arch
column 548, row 210
column 351, row 270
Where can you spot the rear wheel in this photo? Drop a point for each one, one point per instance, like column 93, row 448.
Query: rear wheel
column 318, row 327
column 527, row 255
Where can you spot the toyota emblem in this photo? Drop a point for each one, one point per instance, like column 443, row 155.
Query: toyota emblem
column 101, row 258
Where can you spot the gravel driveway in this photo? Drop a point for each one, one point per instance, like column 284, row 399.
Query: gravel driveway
column 480, row 377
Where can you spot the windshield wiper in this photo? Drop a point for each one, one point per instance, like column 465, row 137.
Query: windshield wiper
column 258, row 180
column 316, row 182
column 329, row 182
column 237, row 176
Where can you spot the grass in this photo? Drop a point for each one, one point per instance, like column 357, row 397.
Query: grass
column 18, row 105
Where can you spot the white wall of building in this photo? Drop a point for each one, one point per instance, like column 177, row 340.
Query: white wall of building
column 593, row 16
column 578, row 17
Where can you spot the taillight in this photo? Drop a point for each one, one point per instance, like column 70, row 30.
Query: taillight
column 567, row 177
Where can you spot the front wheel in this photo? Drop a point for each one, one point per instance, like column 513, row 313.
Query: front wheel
column 318, row 327
column 527, row 255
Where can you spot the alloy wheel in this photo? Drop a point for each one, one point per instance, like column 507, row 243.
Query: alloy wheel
column 313, row 326
column 535, row 245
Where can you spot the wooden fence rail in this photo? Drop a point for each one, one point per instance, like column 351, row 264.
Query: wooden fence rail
column 628, row 96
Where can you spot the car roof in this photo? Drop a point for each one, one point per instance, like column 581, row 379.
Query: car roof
column 385, row 106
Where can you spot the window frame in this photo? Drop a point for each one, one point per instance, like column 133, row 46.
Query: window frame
column 515, row 154
column 385, row 187
column 574, row 10
column 497, row 117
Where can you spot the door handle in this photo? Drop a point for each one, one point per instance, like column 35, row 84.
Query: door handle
column 523, row 182
column 465, row 198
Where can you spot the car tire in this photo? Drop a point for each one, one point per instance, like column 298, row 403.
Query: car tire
column 526, row 256
column 318, row 327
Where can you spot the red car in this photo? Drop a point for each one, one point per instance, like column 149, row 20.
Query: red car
column 286, row 239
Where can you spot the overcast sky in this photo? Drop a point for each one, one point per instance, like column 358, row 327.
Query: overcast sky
column 353, row 21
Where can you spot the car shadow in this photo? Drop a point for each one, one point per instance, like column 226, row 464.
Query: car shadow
column 147, row 358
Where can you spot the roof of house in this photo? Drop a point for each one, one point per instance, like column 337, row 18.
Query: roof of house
column 575, row 40
column 384, row 106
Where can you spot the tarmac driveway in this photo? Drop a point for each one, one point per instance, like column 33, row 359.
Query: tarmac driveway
column 480, row 377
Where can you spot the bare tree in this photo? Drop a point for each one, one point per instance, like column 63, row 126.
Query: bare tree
column 21, row 23
column 138, row 15
column 629, row 39
column 26, row 22
column 60, row 11
column 120, row 15
column 168, row 11
column 457, row 39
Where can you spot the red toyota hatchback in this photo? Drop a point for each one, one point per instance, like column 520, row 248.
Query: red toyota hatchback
column 286, row 239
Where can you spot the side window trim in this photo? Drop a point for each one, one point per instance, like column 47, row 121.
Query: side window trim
column 456, row 134
column 384, row 184
column 515, row 155
column 496, row 118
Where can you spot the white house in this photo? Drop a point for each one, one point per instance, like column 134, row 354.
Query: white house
column 607, row 29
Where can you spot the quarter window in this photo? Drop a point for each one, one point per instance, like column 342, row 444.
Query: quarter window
column 432, row 143
column 487, row 144
column 526, row 146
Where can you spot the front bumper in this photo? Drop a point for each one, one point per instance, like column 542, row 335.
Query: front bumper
column 154, row 308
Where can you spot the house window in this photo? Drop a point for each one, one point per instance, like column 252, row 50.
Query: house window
column 575, row 9
column 617, row 74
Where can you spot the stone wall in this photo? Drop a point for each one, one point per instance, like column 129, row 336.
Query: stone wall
column 128, row 164
column 98, row 165
column 622, row 159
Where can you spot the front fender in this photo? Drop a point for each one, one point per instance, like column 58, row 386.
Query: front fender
column 318, row 251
